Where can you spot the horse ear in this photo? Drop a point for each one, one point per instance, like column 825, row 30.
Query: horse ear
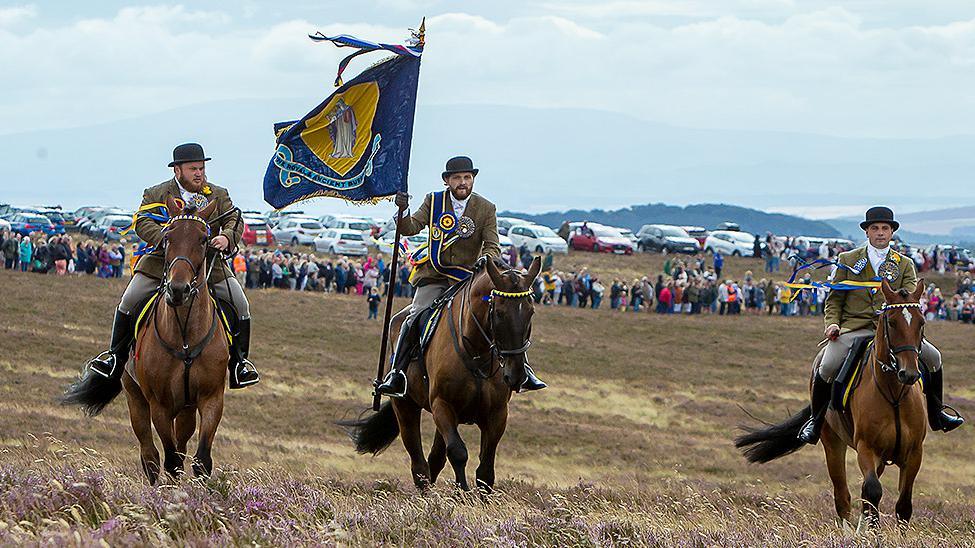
column 888, row 292
column 494, row 273
column 172, row 207
column 919, row 290
column 533, row 270
column 208, row 210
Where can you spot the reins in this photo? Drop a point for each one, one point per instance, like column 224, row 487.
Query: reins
column 187, row 353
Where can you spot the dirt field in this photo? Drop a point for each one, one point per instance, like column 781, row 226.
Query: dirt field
column 631, row 444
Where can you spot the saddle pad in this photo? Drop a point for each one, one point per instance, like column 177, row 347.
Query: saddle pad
column 428, row 318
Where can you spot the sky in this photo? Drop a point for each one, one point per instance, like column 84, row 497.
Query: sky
column 869, row 68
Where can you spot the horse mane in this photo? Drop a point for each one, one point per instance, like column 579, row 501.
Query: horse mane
column 903, row 293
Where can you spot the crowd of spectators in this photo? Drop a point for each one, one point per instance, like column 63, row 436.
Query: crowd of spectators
column 687, row 285
column 60, row 255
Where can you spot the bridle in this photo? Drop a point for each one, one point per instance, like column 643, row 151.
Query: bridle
column 196, row 282
column 488, row 333
column 891, row 366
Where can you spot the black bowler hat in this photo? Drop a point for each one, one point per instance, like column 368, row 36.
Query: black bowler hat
column 188, row 152
column 880, row 214
column 459, row 164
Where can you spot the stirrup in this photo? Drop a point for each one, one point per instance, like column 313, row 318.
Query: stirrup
column 386, row 389
column 241, row 376
column 955, row 416
column 106, row 358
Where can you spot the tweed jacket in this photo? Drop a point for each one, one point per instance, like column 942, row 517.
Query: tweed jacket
column 151, row 264
column 466, row 251
column 858, row 308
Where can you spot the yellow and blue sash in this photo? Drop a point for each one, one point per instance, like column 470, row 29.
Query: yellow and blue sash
column 442, row 228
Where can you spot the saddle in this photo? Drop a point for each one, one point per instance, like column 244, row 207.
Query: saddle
column 851, row 371
column 429, row 317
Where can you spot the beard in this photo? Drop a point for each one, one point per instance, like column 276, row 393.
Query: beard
column 461, row 193
column 190, row 184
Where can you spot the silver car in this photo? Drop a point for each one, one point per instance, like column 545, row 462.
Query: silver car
column 297, row 230
column 341, row 241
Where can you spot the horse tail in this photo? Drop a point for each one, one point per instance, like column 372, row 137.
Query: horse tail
column 92, row 392
column 777, row 440
column 373, row 432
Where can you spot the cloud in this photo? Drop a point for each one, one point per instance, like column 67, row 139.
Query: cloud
column 828, row 70
column 17, row 15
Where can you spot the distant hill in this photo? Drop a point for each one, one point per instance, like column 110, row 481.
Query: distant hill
column 706, row 215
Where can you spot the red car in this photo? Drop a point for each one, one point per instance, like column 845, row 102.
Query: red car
column 256, row 232
column 599, row 238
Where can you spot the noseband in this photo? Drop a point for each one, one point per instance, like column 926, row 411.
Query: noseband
column 891, row 366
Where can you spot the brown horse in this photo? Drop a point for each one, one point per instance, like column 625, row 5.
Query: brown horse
column 181, row 354
column 475, row 359
column 886, row 421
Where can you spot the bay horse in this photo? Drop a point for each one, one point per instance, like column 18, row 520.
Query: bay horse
column 181, row 353
column 886, row 420
column 475, row 359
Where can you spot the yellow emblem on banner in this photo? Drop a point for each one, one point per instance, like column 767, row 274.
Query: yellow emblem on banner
column 340, row 134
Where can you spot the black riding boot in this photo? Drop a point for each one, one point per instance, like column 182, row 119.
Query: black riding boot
column 934, row 391
column 821, row 392
column 111, row 363
column 531, row 381
column 242, row 371
column 394, row 385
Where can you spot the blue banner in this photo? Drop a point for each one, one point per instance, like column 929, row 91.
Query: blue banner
column 355, row 145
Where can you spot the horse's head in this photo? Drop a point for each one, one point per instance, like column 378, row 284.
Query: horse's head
column 510, row 315
column 903, row 330
column 184, row 244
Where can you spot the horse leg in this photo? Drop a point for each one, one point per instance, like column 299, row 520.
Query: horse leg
column 142, row 425
column 408, row 417
column 163, row 421
column 185, row 425
column 871, row 491
column 491, row 433
column 835, row 451
column 908, row 474
column 446, row 420
column 211, row 411
column 438, row 456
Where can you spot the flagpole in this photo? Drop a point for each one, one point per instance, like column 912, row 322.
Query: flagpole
column 390, row 287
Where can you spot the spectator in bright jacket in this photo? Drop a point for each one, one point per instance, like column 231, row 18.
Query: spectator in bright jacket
column 26, row 253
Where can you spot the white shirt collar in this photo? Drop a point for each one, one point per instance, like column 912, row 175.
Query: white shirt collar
column 877, row 256
column 459, row 205
column 877, row 251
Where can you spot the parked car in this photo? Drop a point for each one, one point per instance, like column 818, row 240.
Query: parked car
column 274, row 218
column 808, row 246
column 256, row 232
column 85, row 225
column 699, row 233
column 731, row 242
column 538, row 238
column 628, row 234
column 57, row 217
column 506, row 243
column 729, row 226
column 666, row 238
column 505, row 224
column 341, row 241
column 598, row 238
column 4, row 225
column 297, row 230
column 348, row 222
column 110, row 227
column 28, row 223
column 385, row 241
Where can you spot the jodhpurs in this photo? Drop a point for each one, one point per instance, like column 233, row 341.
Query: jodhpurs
column 142, row 286
column 836, row 352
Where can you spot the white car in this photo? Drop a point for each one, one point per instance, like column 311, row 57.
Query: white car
column 538, row 238
column 341, row 241
column 505, row 243
column 361, row 224
column 385, row 241
column 4, row 225
column 505, row 224
column 730, row 242
column 297, row 230
column 627, row 233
